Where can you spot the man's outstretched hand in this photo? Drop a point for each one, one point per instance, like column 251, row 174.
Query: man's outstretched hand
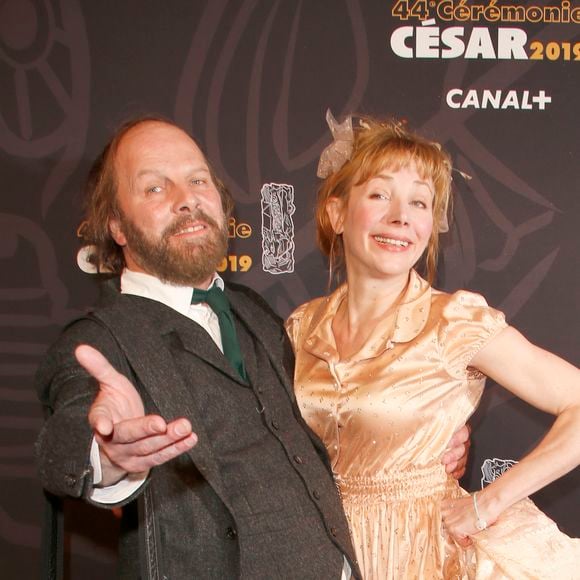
column 129, row 441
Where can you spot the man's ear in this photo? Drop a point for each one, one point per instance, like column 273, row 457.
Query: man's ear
column 335, row 212
column 117, row 232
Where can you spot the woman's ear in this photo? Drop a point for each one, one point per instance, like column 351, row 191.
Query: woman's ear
column 335, row 212
column 117, row 232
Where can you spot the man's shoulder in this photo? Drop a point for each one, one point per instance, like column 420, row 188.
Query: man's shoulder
column 114, row 307
column 88, row 327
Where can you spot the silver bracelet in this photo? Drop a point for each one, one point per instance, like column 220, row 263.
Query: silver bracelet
column 480, row 523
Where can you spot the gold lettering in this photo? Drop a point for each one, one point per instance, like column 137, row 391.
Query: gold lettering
column 238, row 230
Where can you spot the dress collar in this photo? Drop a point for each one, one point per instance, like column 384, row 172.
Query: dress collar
column 413, row 312
column 410, row 319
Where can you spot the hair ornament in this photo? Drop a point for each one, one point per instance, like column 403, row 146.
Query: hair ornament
column 339, row 151
column 465, row 176
column 443, row 223
column 398, row 127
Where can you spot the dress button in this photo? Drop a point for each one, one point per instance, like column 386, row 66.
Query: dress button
column 298, row 459
column 231, row 534
column 316, row 494
column 275, row 424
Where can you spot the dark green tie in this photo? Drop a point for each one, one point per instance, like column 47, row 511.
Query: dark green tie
column 220, row 304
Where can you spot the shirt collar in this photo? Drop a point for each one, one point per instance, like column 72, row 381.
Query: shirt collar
column 176, row 297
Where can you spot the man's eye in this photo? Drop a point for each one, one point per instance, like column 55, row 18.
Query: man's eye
column 154, row 189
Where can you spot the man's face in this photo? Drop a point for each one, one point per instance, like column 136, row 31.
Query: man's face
column 171, row 223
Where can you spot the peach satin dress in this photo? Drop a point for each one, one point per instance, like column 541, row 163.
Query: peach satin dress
column 386, row 415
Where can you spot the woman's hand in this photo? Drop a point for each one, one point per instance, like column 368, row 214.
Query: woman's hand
column 461, row 520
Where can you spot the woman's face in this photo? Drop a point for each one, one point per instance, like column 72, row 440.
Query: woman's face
column 386, row 223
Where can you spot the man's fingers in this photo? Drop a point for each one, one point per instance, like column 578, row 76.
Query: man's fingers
column 455, row 458
column 136, row 429
column 142, row 455
column 454, row 454
column 461, row 436
column 174, row 450
column 144, row 432
column 99, row 367
column 458, row 444
column 179, row 428
column 166, row 454
column 458, row 472
column 117, row 399
column 100, row 420
column 161, row 447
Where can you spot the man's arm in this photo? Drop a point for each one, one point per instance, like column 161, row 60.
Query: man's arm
column 68, row 392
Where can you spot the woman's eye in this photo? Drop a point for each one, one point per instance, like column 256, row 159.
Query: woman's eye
column 380, row 195
column 198, row 181
column 420, row 203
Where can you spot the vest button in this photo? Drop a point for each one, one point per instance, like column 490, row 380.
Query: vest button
column 316, row 494
column 298, row 459
column 231, row 534
column 275, row 424
column 333, row 532
column 70, row 480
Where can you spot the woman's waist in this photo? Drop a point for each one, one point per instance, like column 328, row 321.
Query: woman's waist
column 413, row 483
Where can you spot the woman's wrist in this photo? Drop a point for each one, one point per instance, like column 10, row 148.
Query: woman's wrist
column 480, row 521
column 489, row 505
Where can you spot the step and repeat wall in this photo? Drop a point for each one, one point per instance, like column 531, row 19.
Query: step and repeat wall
column 495, row 81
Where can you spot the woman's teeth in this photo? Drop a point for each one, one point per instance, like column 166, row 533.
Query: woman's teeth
column 391, row 241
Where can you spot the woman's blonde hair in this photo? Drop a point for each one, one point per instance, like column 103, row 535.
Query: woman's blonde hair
column 380, row 145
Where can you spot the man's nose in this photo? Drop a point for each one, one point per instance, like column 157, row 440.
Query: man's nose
column 184, row 199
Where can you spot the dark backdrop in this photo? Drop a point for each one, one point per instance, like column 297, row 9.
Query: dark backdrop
column 252, row 79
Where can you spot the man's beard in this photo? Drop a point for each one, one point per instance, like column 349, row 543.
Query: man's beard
column 185, row 262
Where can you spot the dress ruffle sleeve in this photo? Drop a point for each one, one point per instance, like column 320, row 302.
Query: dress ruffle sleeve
column 467, row 325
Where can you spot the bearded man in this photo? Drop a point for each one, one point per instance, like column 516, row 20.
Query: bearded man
column 173, row 396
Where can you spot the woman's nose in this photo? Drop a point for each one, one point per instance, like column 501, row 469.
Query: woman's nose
column 397, row 213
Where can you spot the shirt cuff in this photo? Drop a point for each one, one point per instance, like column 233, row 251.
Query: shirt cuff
column 113, row 493
column 346, row 570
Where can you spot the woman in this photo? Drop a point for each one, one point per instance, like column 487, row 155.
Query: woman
column 388, row 367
